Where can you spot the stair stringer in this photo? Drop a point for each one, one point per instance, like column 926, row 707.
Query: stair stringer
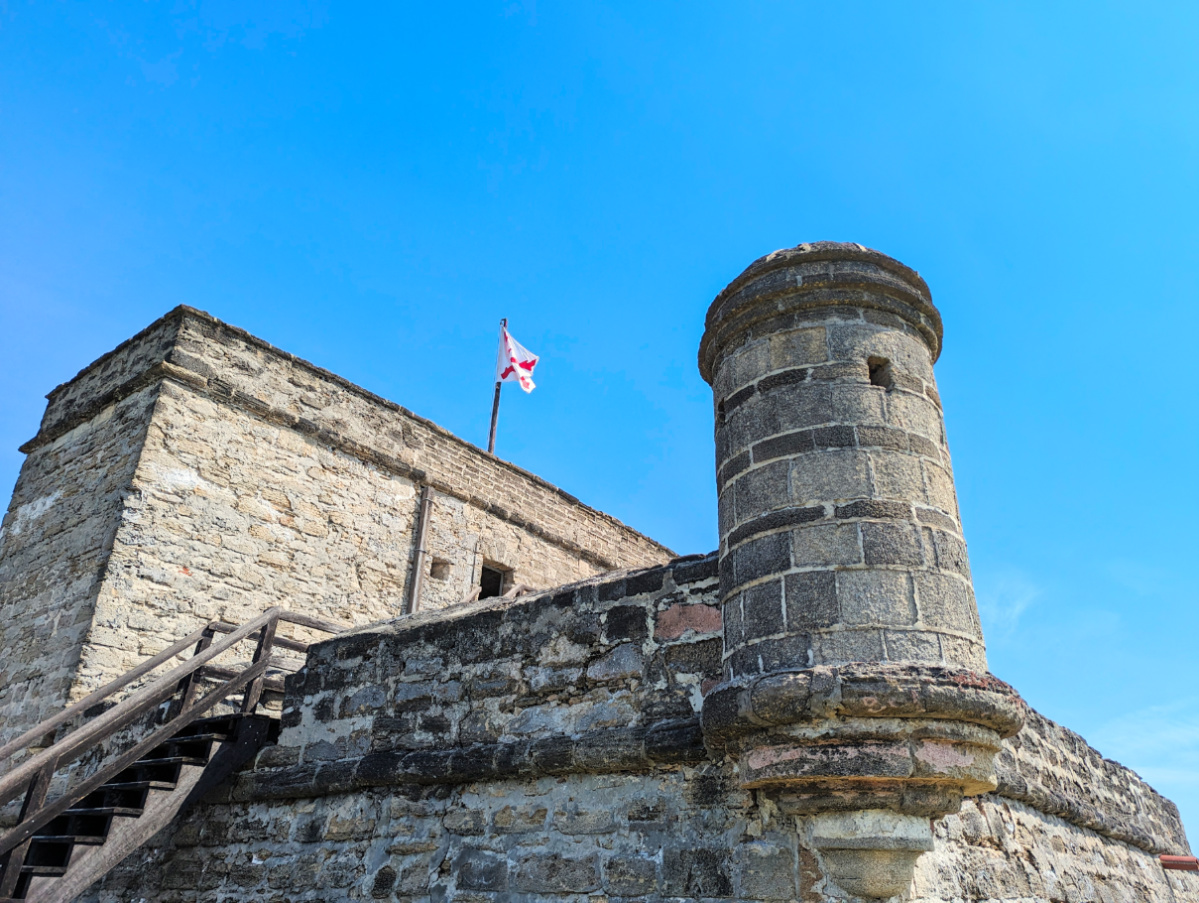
column 162, row 808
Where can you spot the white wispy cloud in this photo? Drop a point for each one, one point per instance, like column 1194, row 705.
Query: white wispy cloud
column 1003, row 597
column 1161, row 744
column 1164, row 735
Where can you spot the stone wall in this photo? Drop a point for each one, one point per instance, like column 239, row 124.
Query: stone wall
column 674, row 835
column 551, row 749
column 196, row 472
column 54, row 545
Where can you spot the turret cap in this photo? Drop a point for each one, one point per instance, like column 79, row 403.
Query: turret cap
column 812, row 275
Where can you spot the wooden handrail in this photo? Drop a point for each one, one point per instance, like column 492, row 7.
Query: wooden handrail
column 13, row 746
column 294, row 617
column 176, row 688
column 28, row 827
column 45, row 727
column 123, row 713
column 291, row 618
column 218, row 673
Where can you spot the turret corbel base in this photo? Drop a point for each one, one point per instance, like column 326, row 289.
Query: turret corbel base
column 868, row 754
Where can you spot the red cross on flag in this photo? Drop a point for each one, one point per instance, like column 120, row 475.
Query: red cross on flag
column 515, row 362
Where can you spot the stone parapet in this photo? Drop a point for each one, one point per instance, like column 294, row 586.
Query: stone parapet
column 550, row 750
column 1055, row 771
column 603, row 676
column 611, row 676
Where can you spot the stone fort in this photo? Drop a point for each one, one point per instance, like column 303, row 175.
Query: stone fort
column 482, row 690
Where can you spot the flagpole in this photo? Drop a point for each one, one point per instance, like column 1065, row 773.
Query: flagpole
column 495, row 405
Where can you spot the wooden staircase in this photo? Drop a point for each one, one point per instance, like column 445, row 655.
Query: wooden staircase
column 74, row 830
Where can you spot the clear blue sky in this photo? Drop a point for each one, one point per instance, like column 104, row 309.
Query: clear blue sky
column 373, row 188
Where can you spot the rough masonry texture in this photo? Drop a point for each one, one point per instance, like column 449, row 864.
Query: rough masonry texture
column 196, row 472
column 552, row 750
column 803, row 714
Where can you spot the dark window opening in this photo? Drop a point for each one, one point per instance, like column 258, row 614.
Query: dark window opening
column 880, row 372
column 439, row 569
column 491, row 583
column 720, row 412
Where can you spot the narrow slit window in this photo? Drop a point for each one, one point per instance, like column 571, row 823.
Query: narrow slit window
column 880, row 372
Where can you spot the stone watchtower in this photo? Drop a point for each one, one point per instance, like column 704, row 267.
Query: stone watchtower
column 855, row 685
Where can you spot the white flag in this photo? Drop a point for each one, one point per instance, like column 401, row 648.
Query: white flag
column 515, row 363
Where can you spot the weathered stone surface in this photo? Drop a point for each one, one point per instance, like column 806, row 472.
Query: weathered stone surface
column 767, row 871
column 554, row 873
column 102, row 566
column 632, row 876
column 54, row 543
column 679, row 619
column 551, row 747
column 618, row 820
column 859, row 448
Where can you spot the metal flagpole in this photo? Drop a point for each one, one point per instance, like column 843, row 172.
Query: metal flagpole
column 495, row 405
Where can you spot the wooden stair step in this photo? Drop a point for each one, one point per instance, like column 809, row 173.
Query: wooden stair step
column 138, row 773
column 67, row 825
column 171, row 760
column 102, row 811
column 117, row 795
column 198, row 746
column 225, row 725
column 44, row 871
column 54, row 855
column 139, row 785
column 85, row 840
column 207, row 737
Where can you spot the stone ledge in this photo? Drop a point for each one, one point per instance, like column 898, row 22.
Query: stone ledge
column 484, row 618
column 1073, row 782
column 866, row 690
column 826, row 513
column 636, row 749
column 1077, row 812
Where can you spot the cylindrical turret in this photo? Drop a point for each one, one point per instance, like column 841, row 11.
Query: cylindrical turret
column 855, row 682
column 840, row 538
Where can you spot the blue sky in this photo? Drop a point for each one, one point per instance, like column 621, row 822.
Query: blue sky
column 372, row 188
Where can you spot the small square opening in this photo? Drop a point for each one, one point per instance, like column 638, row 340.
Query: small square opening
column 880, row 372
column 492, row 581
column 439, row 569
